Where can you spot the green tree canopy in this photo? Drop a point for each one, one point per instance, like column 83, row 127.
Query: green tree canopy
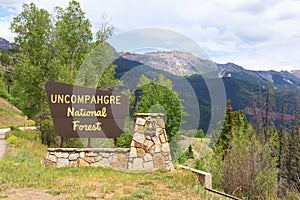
column 72, row 38
column 50, row 48
column 157, row 96
column 33, row 29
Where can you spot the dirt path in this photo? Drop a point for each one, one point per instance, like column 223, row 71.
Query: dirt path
column 30, row 193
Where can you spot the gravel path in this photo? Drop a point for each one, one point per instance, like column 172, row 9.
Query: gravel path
column 2, row 141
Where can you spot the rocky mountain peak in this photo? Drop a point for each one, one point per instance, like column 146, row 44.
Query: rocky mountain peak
column 175, row 62
column 4, row 44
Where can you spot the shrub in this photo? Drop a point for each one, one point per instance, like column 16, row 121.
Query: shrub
column 32, row 135
column 200, row 134
column 14, row 128
column 187, row 155
column 124, row 140
column 141, row 193
column 12, row 139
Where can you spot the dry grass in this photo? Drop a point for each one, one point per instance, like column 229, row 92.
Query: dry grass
column 11, row 115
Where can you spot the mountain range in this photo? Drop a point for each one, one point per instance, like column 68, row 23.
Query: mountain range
column 245, row 88
column 186, row 64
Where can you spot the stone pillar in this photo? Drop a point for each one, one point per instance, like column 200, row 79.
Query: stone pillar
column 149, row 147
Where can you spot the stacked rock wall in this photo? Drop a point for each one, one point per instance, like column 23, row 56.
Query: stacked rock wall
column 77, row 157
column 149, row 149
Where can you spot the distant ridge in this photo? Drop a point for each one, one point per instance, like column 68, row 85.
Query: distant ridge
column 296, row 73
column 4, row 44
column 186, row 64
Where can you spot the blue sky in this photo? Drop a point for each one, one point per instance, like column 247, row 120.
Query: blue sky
column 5, row 11
column 256, row 34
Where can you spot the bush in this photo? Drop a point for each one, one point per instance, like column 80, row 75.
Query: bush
column 9, row 97
column 141, row 193
column 200, row 134
column 73, row 143
column 187, row 155
column 124, row 140
column 11, row 139
column 198, row 164
column 14, row 128
column 193, row 133
column 292, row 195
column 32, row 135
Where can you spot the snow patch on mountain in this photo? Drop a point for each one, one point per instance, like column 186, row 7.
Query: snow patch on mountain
column 288, row 81
column 266, row 76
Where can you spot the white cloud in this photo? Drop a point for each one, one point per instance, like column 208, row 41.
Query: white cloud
column 5, row 32
column 257, row 34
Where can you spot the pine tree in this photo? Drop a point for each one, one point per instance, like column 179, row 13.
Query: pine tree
column 267, row 117
column 190, row 153
column 223, row 143
column 281, row 146
column 246, row 169
column 293, row 154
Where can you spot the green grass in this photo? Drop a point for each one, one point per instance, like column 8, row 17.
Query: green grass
column 30, row 135
column 3, row 196
column 22, row 167
column 141, row 193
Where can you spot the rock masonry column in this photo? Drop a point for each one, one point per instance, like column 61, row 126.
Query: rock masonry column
column 149, row 147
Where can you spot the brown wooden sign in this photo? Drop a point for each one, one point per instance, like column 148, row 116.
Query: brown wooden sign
column 85, row 112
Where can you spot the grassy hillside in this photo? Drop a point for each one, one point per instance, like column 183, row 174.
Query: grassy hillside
column 11, row 115
column 199, row 145
column 22, row 174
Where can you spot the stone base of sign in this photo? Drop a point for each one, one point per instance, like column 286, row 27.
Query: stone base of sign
column 149, row 149
column 77, row 157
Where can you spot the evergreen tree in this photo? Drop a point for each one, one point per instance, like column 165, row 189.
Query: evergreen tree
column 190, row 153
column 281, row 146
column 249, row 169
column 245, row 167
column 223, row 142
column 292, row 156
